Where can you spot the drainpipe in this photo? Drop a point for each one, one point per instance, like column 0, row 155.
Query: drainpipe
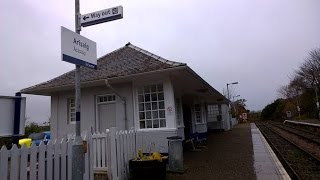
column 124, row 103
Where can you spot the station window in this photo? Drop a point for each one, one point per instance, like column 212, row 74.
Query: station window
column 151, row 106
column 213, row 112
column 71, row 111
column 197, row 112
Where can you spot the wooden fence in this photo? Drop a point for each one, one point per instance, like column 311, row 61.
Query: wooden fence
column 52, row 162
column 109, row 151
column 112, row 151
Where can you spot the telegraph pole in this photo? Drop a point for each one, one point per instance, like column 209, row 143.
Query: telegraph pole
column 77, row 147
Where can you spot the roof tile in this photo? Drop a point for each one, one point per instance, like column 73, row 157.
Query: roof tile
column 128, row 60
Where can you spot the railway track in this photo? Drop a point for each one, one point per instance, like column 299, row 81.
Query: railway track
column 305, row 140
column 299, row 132
column 299, row 163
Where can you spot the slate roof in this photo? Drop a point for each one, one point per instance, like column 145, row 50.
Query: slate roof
column 125, row 61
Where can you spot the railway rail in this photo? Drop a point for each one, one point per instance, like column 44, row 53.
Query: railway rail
column 299, row 163
column 300, row 132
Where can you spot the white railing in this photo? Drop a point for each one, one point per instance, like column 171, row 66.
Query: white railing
column 112, row 151
column 109, row 151
column 52, row 162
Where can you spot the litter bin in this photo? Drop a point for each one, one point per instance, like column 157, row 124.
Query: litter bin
column 175, row 154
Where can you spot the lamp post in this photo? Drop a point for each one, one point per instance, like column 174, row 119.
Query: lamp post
column 234, row 105
column 228, row 88
column 229, row 100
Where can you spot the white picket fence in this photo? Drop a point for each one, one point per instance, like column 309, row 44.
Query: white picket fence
column 52, row 162
column 112, row 151
column 109, row 151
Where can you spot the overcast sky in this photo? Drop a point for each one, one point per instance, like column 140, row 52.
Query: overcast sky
column 257, row 43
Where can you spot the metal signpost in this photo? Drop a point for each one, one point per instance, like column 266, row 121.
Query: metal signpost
column 81, row 51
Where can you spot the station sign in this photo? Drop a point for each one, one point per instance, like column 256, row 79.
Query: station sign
column 77, row 49
column 7, row 110
column 102, row 16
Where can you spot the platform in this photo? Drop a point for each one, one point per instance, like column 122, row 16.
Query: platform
column 266, row 164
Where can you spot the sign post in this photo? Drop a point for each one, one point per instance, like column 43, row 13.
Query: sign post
column 81, row 51
column 77, row 147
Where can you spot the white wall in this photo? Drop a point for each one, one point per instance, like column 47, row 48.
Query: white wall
column 60, row 126
column 154, row 140
column 168, row 97
column 225, row 117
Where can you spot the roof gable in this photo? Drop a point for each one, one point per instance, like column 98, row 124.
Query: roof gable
column 125, row 61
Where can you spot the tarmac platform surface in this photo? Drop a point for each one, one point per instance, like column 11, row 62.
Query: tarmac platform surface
column 241, row 153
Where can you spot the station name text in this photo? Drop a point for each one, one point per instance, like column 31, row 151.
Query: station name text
column 83, row 45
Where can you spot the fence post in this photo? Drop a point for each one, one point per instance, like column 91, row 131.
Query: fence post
column 90, row 154
column 33, row 161
column 69, row 158
column 113, row 154
column 42, row 160
column 24, row 162
column 14, row 166
column 63, row 156
column 4, row 161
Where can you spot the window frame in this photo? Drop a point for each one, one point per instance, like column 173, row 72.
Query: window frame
column 196, row 112
column 69, row 110
column 113, row 98
column 151, row 106
column 213, row 112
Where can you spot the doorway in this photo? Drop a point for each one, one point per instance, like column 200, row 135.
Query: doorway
column 187, row 120
column 106, row 112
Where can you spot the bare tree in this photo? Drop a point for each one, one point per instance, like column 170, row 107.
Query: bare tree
column 309, row 71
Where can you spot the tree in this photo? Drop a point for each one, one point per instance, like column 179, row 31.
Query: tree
column 303, row 85
column 274, row 110
column 309, row 71
column 239, row 107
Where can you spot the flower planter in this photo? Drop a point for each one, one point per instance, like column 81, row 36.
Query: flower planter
column 147, row 169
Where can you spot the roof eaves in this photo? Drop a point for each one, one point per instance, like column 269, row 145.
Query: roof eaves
column 46, row 82
column 31, row 90
column 172, row 63
column 205, row 82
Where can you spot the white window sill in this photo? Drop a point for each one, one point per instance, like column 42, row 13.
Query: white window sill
column 201, row 123
column 156, row 129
